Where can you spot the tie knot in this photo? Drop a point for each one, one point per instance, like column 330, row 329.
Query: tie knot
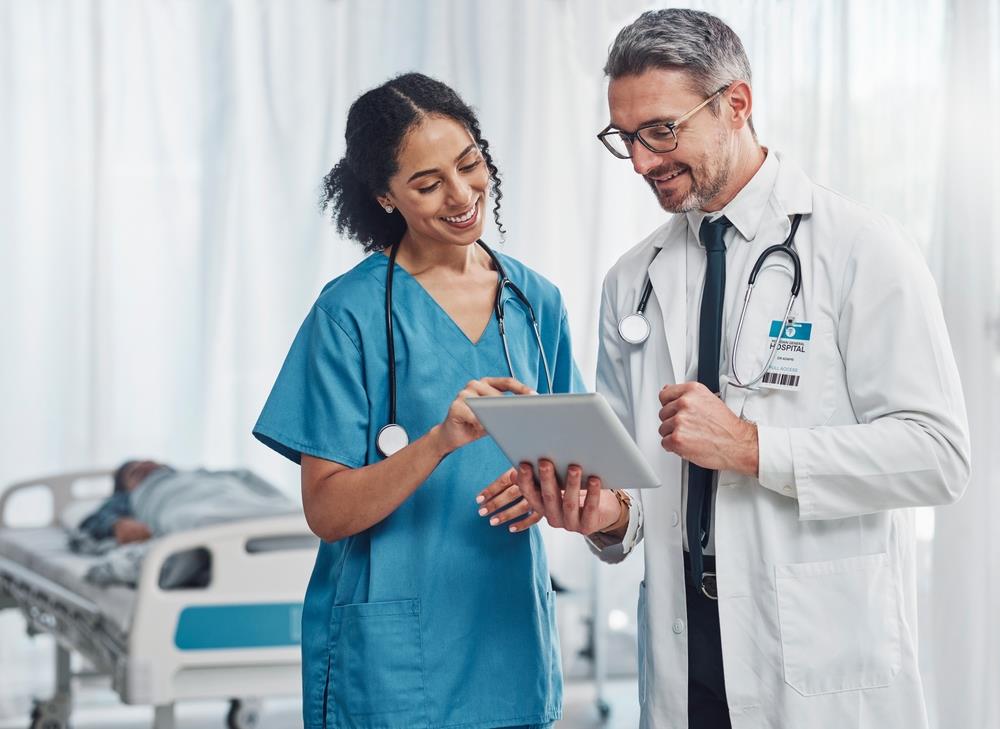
column 711, row 233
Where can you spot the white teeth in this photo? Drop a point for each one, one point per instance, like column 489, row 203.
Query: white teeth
column 462, row 218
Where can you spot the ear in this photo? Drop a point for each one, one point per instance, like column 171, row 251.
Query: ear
column 384, row 201
column 738, row 104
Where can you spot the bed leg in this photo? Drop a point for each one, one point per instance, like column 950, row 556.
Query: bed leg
column 64, row 675
column 54, row 713
column 163, row 717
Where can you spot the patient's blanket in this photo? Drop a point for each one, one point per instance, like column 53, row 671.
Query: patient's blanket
column 178, row 500
column 171, row 501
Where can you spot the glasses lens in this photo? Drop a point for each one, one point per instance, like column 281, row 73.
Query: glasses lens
column 617, row 144
column 660, row 138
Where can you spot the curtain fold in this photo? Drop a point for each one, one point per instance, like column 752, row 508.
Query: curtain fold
column 965, row 576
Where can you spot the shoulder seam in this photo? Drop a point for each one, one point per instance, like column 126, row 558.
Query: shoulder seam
column 340, row 326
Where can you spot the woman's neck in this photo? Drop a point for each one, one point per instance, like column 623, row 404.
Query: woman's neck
column 418, row 257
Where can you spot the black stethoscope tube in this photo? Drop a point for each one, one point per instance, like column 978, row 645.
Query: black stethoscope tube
column 392, row 436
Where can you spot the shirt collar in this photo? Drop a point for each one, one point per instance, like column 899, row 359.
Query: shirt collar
column 746, row 210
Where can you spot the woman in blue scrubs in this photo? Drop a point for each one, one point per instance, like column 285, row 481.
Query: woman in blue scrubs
column 418, row 614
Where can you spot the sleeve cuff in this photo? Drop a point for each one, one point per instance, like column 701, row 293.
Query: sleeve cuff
column 610, row 549
column 776, row 468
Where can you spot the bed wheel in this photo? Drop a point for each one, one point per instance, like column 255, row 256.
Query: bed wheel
column 49, row 715
column 243, row 714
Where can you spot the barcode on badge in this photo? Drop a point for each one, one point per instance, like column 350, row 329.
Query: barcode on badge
column 784, row 380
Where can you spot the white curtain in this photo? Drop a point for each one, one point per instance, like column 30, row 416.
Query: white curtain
column 965, row 579
column 160, row 239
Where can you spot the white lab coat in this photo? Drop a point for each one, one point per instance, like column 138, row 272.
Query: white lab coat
column 817, row 595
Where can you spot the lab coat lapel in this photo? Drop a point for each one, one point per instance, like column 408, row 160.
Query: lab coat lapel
column 791, row 195
column 668, row 274
column 768, row 302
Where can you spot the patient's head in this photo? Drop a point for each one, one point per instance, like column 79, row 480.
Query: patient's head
column 132, row 473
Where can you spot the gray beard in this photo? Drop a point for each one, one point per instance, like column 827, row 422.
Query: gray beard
column 701, row 192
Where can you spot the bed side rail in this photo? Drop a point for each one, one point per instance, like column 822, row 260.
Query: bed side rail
column 234, row 562
column 60, row 485
column 160, row 671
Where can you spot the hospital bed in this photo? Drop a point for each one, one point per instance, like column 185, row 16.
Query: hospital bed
column 236, row 639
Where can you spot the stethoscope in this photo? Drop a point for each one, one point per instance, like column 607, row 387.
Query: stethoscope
column 393, row 437
column 634, row 328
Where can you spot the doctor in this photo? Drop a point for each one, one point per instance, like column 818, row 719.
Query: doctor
column 795, row 495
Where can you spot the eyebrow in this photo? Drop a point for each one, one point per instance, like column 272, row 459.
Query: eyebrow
column 425, row 173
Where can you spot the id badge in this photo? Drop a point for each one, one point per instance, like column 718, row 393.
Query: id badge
column 785, row 372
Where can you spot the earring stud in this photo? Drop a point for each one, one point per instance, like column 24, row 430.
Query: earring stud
column 389, row 208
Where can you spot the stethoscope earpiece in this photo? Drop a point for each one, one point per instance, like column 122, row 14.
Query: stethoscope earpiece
column 634, row 328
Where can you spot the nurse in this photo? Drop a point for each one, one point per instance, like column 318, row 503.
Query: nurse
column 418, row 614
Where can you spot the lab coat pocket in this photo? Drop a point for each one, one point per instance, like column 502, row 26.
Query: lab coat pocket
column 839, row 624
column 376, row 678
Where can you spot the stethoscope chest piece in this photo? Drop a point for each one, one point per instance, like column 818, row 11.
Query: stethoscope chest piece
column 634, row 328
column 391, row 438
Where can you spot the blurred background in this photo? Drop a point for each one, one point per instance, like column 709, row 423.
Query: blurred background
column 161, row 241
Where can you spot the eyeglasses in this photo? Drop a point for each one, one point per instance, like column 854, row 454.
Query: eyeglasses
column 658, row 137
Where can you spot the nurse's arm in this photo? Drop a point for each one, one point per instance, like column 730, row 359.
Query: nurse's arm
column 340, row 501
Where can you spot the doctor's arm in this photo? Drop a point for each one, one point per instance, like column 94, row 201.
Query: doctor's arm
column 911, row 444
column 612, row 364
column 340, row 501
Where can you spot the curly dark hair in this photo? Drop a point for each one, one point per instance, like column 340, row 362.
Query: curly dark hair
column 376, row 125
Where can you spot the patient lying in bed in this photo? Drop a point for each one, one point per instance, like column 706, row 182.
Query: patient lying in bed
column 152, row 499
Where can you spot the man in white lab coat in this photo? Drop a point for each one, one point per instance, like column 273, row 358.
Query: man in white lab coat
column 795, row 495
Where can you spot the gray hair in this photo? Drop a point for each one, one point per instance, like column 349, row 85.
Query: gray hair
column 687, row 40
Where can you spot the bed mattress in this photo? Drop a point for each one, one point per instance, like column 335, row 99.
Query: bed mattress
column 44, row 552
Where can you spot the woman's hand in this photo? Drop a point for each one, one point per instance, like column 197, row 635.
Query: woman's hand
column 460, row 426
column 503, row 494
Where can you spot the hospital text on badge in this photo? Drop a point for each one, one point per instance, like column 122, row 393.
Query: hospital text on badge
column 785, row 372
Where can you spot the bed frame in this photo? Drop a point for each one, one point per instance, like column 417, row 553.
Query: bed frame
column 182, row 643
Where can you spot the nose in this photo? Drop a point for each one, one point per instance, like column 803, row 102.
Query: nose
column 460, row 192
column 643, row 160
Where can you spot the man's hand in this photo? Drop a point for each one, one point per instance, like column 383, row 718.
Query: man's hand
column 131, row 530
column 697, row 426
column 570, row 505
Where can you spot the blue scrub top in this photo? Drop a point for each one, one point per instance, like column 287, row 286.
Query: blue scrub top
column 431, row 618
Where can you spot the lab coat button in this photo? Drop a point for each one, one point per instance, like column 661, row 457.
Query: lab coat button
column 787, row 489
column 678, row 626
column 675, row 519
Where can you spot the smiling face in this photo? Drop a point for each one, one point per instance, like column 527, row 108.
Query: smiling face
column 694, row 175
column 441, row 185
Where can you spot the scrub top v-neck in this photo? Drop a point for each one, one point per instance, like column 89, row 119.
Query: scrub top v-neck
column 431, row 618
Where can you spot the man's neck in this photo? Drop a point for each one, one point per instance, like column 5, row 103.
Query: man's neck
column 749, row 159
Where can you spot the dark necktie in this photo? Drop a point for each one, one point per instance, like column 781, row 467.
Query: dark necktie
column 699, row 486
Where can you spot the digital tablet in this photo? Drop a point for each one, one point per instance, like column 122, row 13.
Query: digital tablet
column 566, row 429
